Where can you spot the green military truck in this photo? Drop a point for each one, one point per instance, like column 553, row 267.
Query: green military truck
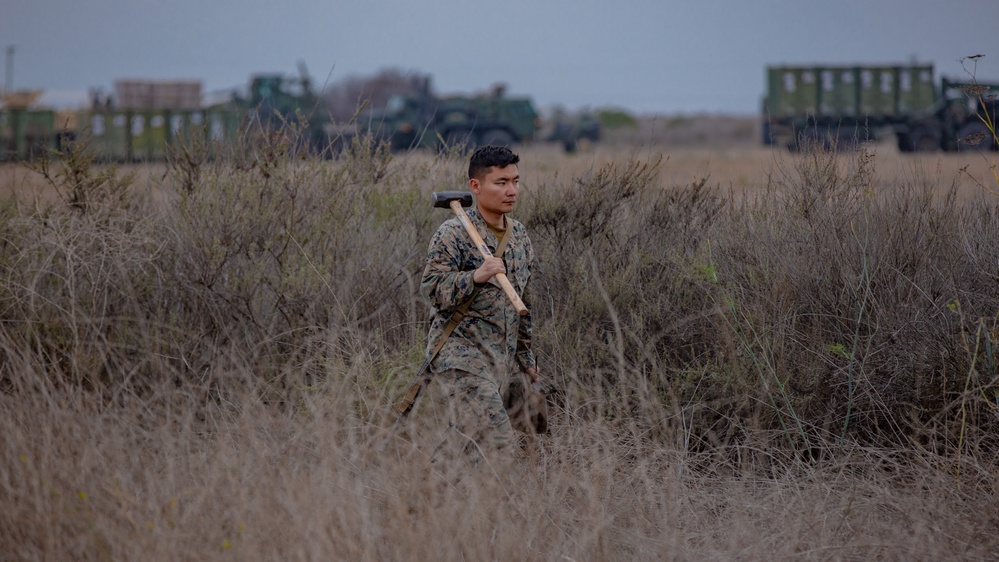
column 843, row 105
column 571, row 131
column 423, row 120
column 277, row 101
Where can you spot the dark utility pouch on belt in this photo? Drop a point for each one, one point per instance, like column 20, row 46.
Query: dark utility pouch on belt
column 526, row 405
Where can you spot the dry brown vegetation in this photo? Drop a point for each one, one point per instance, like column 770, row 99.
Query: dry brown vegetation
column 755, row 356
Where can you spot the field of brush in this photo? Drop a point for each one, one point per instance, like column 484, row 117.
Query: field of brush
column 754, row 355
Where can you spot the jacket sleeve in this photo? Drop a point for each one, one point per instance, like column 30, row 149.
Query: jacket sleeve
column 447, row 279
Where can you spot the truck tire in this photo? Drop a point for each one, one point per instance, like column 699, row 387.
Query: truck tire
column 924, row 139
column 497, row 137
column 844, row 142
column 974, row 135
column 904, row 142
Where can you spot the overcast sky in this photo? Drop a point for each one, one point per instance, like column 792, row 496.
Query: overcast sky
column 641, row 55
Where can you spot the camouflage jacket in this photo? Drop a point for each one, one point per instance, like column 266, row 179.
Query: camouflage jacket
column 492, row 338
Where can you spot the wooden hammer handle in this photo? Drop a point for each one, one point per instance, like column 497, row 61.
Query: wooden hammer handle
column 504, row 282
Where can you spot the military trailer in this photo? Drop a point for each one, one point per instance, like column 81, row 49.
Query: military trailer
column 424, row 120
column 128, row 135
column 844, row 105
column 26, row 134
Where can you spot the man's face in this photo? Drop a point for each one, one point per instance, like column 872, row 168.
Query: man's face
column 496, row 191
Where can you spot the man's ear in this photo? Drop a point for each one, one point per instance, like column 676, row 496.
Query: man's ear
column 473, row 185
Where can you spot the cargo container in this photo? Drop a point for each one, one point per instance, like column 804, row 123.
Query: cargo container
column 128, row 136
column 149, row 134
column 843, row 105
column 26, row 134
column 107, row 132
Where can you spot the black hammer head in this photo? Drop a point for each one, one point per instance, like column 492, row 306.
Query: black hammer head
column 443, row 198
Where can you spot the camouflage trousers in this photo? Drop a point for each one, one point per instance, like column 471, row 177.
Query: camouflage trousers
column 480, row 425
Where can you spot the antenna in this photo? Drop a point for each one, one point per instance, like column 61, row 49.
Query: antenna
column 9, row 80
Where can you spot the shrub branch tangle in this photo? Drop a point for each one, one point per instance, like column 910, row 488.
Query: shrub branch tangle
column 821, row 309
column 835, row 304
column 832, row 312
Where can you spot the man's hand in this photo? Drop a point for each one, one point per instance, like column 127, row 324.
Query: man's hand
column 489, row 268
column 533, row 373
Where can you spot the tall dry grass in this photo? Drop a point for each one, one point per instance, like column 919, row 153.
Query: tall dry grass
column 804, row 371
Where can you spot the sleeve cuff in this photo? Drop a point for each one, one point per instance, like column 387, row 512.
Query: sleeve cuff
column 526, row 360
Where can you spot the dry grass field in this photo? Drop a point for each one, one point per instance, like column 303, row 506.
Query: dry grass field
column 753, row 355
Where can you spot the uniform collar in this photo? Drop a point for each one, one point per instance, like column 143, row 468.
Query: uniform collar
column 480, row 224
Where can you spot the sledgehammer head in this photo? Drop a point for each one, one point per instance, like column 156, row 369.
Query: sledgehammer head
column 443, row 198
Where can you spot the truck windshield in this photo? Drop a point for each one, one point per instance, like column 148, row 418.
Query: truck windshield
column 395, row 105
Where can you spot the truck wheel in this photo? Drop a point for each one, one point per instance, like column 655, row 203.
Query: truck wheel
column 844, row 142
column 904, row 142
column 768, row 139
column 584, row 143
column 497, row 137
column 974, row 135
column 924, row 140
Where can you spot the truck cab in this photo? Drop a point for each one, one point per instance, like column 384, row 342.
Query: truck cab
column 954, row 122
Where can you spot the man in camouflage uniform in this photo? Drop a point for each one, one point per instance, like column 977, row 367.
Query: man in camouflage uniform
column 492, row 343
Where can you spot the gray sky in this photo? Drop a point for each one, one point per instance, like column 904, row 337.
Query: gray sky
column 641, row 55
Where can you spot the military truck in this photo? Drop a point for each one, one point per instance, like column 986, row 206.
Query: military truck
column 844, row 105
column 424, row 120
column 573, row 130
column 277, row 100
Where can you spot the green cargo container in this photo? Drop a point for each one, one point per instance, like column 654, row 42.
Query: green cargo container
column 26, row 133
column 107, row 132
column 223, row 124
column 149, row 134
column 8, row 142
column 39, row 133
column 213, row 125
column 838, row 91
column 792, row 91
column 845, row 104
column 183, row 126
column 878, row 86
column 916, row 90
column 177, row 127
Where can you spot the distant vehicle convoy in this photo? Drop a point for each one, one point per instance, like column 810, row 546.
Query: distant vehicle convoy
column 154, row 119
column 803, row 105
column 848, row 104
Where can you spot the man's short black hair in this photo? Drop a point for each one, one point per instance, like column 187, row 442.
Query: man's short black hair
column 488, row 156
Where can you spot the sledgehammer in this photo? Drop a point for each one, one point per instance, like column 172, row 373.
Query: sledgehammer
column 457, row 200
